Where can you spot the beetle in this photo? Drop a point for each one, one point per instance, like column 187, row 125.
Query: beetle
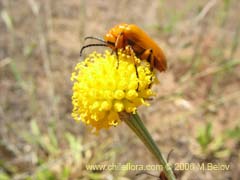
column 143, row 46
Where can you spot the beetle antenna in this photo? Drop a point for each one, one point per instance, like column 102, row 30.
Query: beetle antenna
column 89, row 45
column 95, row 38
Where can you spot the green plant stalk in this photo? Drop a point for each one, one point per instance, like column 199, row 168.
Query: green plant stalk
column 136, row 124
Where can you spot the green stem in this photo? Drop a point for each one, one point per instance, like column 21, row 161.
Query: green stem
column 136, row 124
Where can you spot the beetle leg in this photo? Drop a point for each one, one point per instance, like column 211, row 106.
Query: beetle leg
column 118, row 45
column 119, row 41
column 137, row 75
column 130, row 51
column 148, row 55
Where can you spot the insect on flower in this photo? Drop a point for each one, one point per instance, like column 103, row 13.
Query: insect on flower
column 143, row 46
column 102, row 93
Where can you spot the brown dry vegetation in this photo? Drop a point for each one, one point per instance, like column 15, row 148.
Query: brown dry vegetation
column 39, row 46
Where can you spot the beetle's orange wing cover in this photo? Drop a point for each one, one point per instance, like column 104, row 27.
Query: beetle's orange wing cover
column 138, row 36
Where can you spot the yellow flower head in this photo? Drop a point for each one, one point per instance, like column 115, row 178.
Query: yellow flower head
column 105, row 85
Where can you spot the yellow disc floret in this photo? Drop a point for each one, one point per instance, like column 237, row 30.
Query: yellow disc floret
column 106, row 84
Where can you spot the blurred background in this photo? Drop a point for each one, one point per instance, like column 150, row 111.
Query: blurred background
column 195, row 113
